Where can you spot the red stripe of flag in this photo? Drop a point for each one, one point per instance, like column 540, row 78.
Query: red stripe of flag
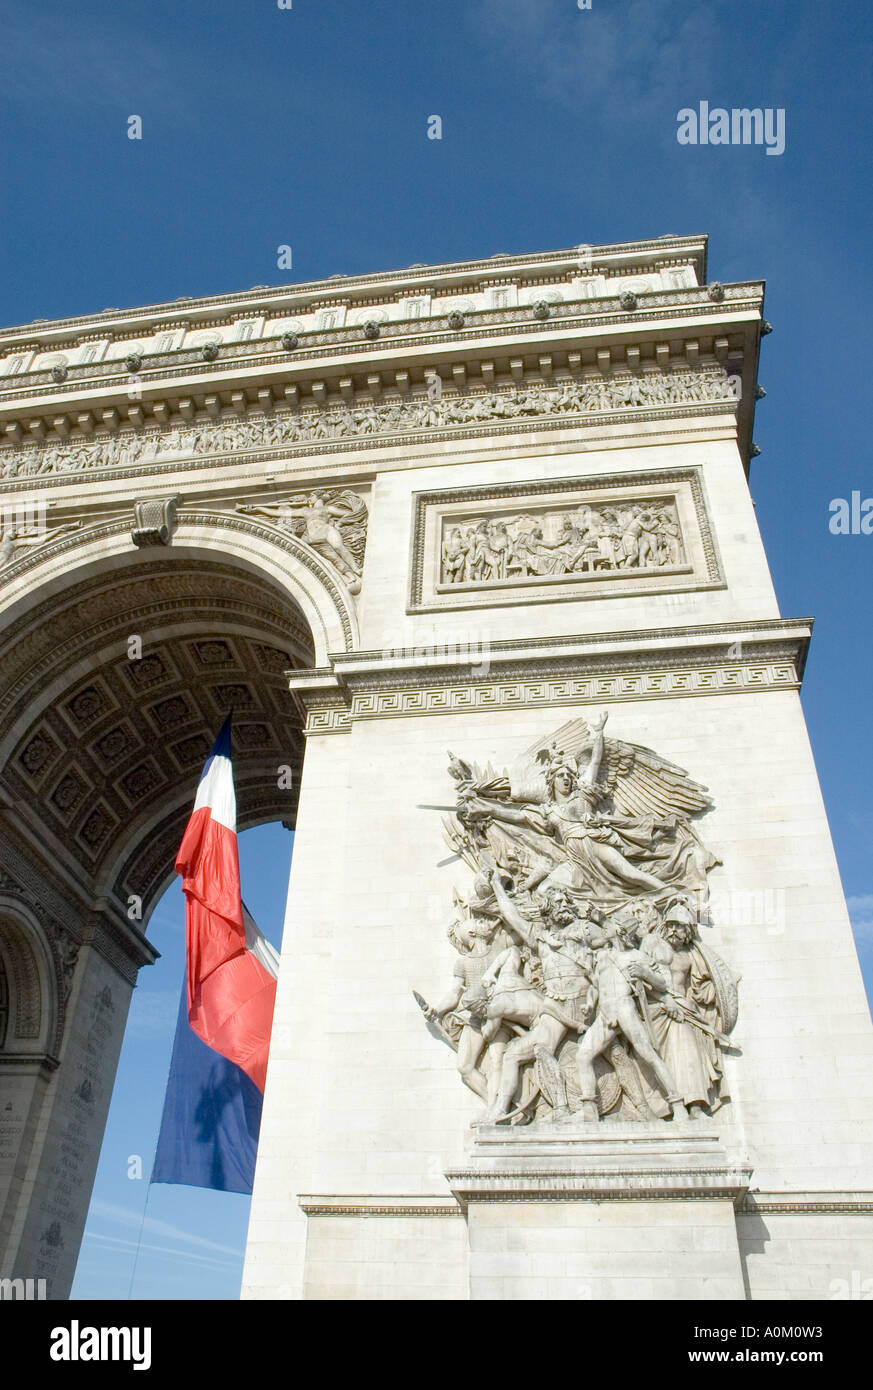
column 230, row 993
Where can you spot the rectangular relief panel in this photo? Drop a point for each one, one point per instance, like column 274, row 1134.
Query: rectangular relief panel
column 567, row 538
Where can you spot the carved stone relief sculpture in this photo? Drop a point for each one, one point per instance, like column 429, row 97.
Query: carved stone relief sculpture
column 333, row 523
column 583, row 986
column 584, row 539
column 340, row 421
column 16, row 540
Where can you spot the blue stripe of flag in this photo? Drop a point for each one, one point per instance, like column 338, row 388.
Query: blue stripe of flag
column 211, row 1120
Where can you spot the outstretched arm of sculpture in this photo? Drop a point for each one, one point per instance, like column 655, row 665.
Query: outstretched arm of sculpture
column 449, row 1001
column 281, row 510
column 480, row 807
column 509, row 912
column 592, row 771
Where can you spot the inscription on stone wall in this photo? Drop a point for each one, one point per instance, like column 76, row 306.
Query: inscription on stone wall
column 66, row 1167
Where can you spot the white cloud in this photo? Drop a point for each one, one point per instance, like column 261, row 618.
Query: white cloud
column 101, row 65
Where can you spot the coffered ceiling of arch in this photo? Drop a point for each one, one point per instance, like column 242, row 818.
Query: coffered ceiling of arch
column 104, row 751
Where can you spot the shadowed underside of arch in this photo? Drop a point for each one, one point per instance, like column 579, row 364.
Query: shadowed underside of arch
column 111, row 692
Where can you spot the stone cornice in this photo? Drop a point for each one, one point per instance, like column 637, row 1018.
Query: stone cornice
column 712, row 640
column 675, row 663
column 657, row 252
column 619, row 1162
column 570, row 322
column 527, row 1184
column 353, row 1204
column 259, row 375
column 832, row 1203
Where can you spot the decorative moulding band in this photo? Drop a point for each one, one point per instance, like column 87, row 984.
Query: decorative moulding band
column 751, row 657
column 350, row 1204
column 573, row 402
column 832, row 1203
column 572, row 1185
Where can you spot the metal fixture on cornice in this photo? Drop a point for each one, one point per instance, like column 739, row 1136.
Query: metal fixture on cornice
column 371, row 329
column 290, row 341
column 541, row 309
column 133, row 361
column 760, row 393
column 715, row 291
column 766, row 328
column 754, row 451
column 628, row 300
column 209, row 352
column 59, row 372
column 456, row 319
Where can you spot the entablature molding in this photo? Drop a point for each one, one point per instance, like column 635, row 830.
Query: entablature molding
column 328, row 425
column 663, row 327
column 661, row 324
column 562, row 671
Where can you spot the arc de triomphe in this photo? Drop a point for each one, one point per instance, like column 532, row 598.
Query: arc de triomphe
column 569, row 1003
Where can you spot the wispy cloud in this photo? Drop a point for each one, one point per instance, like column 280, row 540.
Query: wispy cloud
column 153, row 1013
column 123, row 1216
column 101, row 65
column 116, row 1243
column 636, row 54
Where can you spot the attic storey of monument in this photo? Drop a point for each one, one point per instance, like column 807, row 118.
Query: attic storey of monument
column 564, row 1040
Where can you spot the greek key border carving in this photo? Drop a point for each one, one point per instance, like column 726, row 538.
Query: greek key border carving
column 328, row 720
column 548, row 692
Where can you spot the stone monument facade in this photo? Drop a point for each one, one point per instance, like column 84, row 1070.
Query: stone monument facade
column 569, row 1004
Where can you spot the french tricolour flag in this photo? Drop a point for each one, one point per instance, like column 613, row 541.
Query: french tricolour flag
column 231, row 967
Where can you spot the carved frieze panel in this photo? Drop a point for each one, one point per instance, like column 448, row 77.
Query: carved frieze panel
column 340, row 423
column 569, row 538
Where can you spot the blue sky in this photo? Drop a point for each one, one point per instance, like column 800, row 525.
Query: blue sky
column 307, row 127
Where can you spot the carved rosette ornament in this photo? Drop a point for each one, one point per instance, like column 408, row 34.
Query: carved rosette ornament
column 584, row 986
